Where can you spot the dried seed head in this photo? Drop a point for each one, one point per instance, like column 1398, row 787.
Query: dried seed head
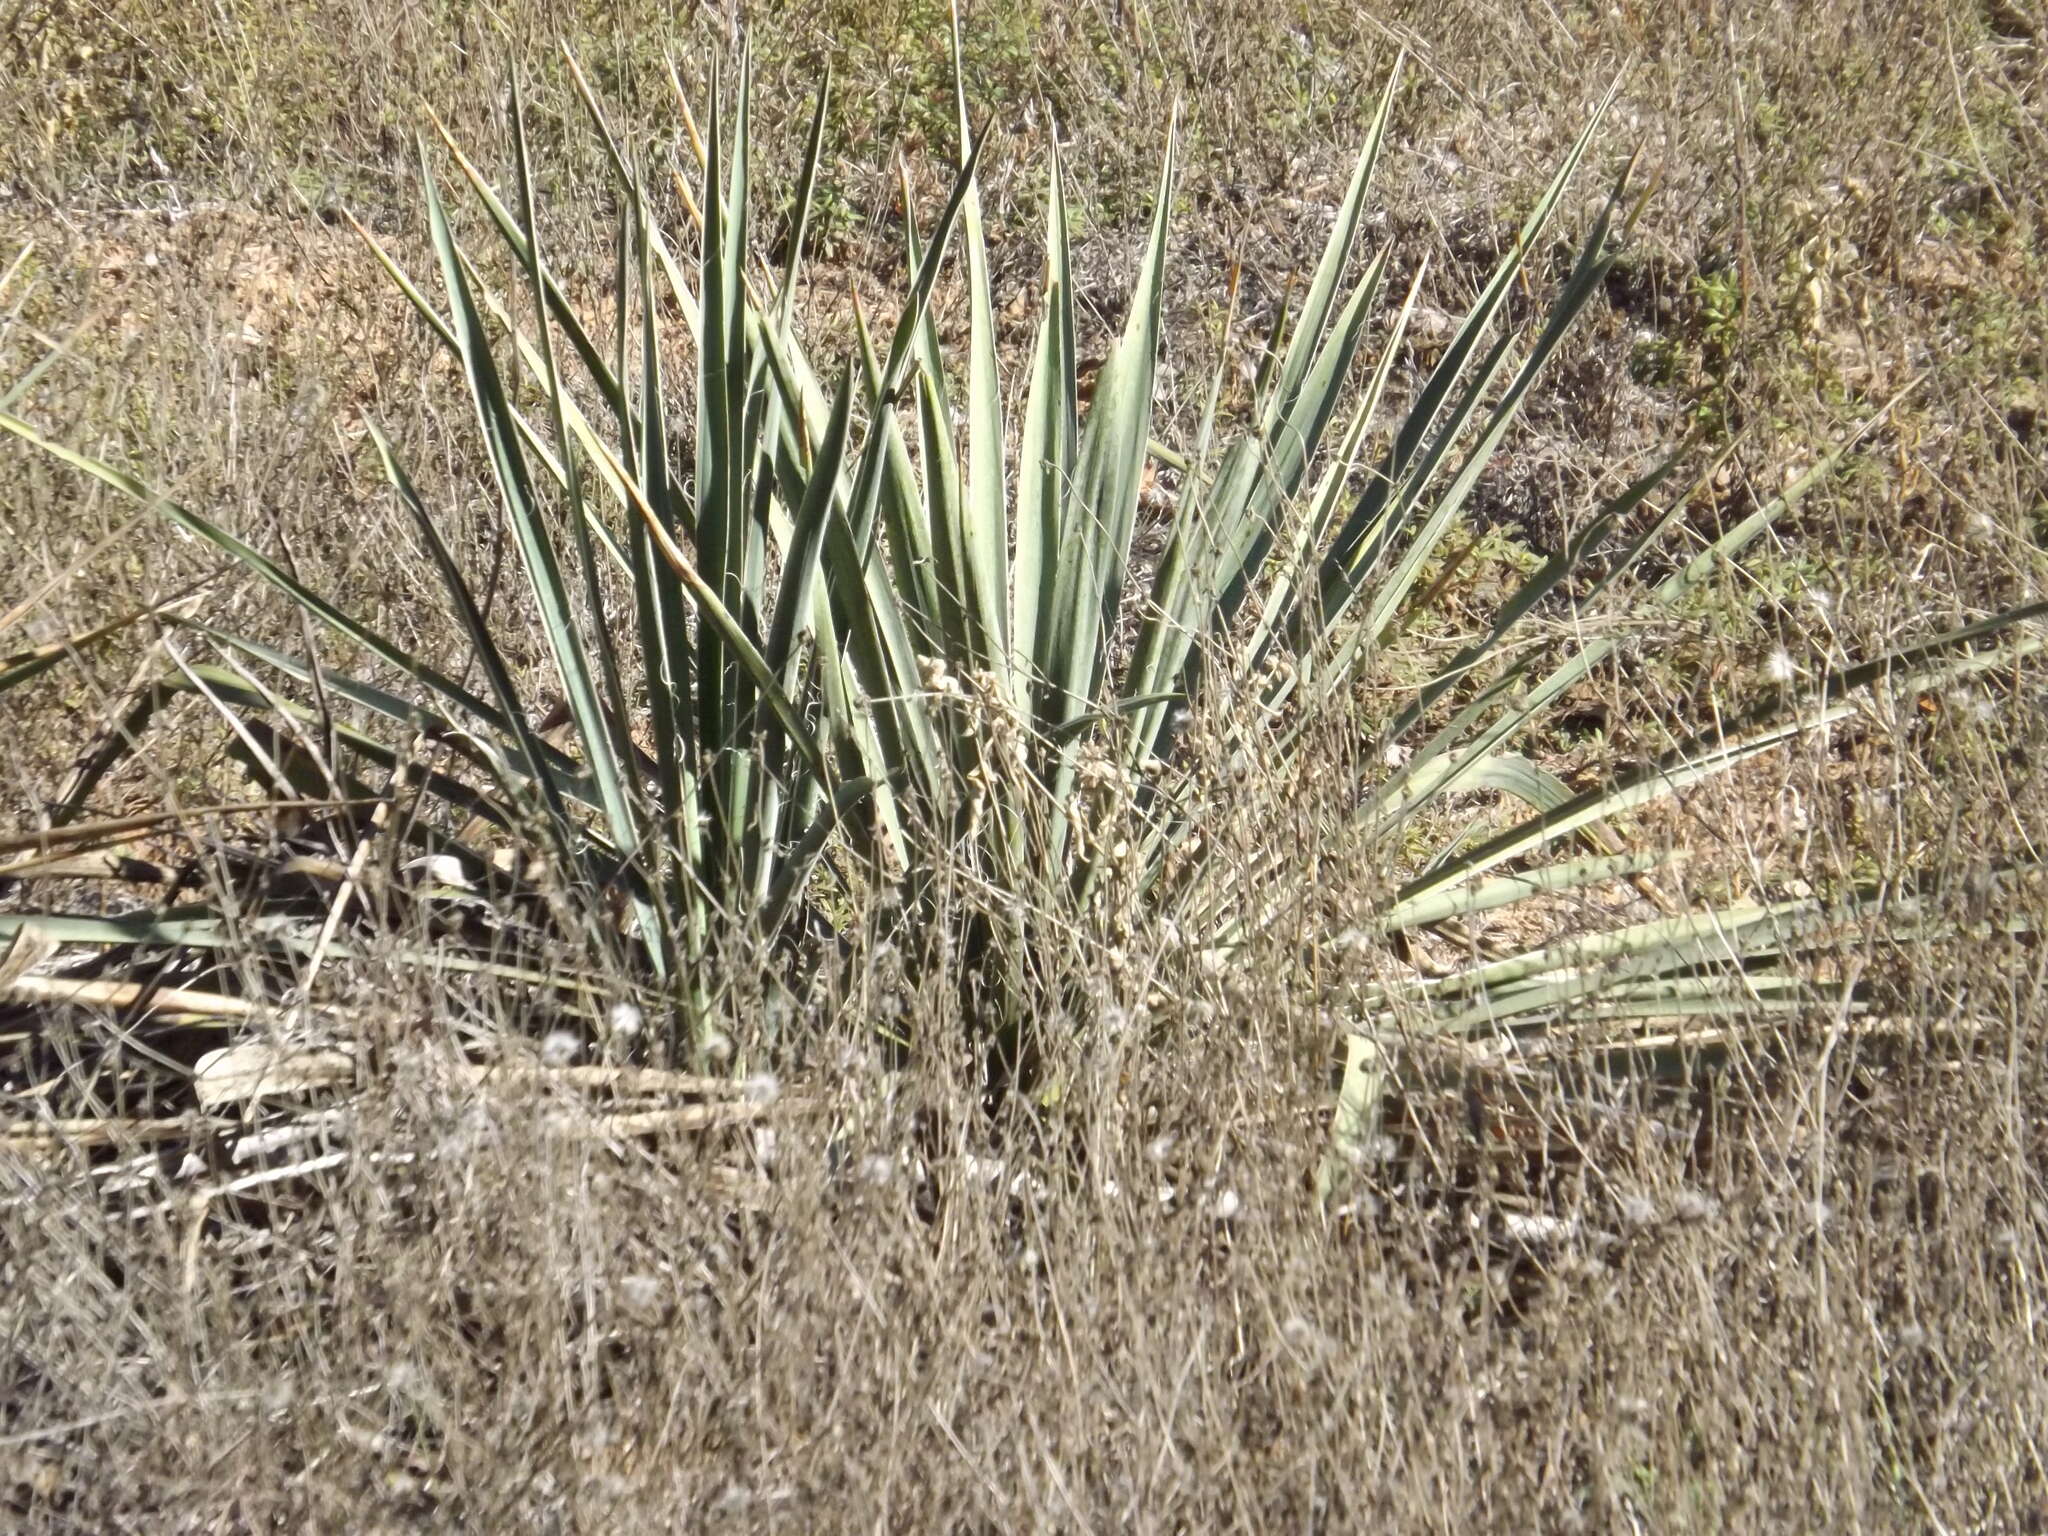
column 1693, row 1207
column 641, row 1295
column 1638, row 1212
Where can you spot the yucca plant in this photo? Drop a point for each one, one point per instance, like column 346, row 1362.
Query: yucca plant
column 875, row 617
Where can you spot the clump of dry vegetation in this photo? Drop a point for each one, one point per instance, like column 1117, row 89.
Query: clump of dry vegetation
column 1296, row 848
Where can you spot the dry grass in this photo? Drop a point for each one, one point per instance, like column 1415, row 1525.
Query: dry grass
column 1803, row 1293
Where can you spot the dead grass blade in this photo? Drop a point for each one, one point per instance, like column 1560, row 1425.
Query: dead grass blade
column 176, row 1001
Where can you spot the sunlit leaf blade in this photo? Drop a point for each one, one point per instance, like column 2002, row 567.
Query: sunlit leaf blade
column 1326, row 286
column 800, row 209
column 1112, row 458
column 514, row 231
column 1051, row 438
column 1367, row 534
column 1506, row 890
column 530, row 758
column 985, row 531
column 342, row 623
column 616, row 707
column 25, row 665
column 571, row 778
column 536, row 544
column 1095, row 549
column 1716, row 753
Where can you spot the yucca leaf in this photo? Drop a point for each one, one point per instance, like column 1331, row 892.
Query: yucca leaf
column 194, row 925
column 1253, row 901
column 617, row 710
column 514, row 231
column 661, row 622
column 912, row 543
column 1324, row 288
column 1356, row 1121
column 723, row 375
column 1279, row 602
column 1661, row 955
column 891, row 503
column 536, row 546
column 1585, row 281
column 224, row 688
column 924, row 279
column 201, row 927
column 572, row 779
column 1199, row 464
column 1096, row 539
column 1051, row 440
column 1220, row 543
column 525, row 741
column 868, row 605
column 1112, row 457
column 745, row 653
column 985, row 531
column 1653, row 947
column 22, row 666
column 795, row 601
column 1533, row 592
column 530, row 356
column 303, row 596
column 802, row 855
column 942, row 537
column 1708, row 756
column 1355, row 553
column 1509, row 704
column 800, row 208
column 1505, row 890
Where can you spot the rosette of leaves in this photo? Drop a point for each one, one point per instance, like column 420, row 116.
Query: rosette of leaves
column 871, row 616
